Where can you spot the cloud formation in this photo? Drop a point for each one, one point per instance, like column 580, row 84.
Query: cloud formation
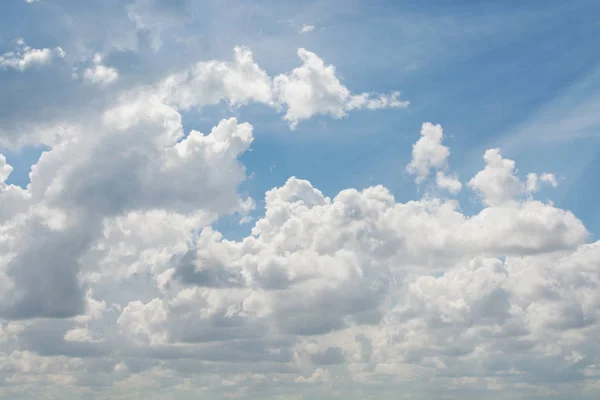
column 100, row 74
column 314, row 89
column 24, row 57
column 116, row 282
column 306, row 91
column 356, row 288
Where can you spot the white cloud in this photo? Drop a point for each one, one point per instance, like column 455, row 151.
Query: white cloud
column 103, row 179
column 311, row 256
column 136, row 161
column 24, row 57
column 315, row 89
column 100, row 74
column 306, row 91
column 497, row 183
column 306, row 28
column 143, row 320
column 429, row 153
column 238, row 82
column 448, row 182
column 389, row 291
column 79, row 334
column 5, row 169
column 550, row 179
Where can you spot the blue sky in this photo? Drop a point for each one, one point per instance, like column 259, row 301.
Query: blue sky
column 109, row 232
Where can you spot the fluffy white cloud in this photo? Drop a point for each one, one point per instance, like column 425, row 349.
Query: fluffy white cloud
column 390, row 292
column 5, row 170
column 314, row 88
column 24, row 57
column 235, row 83
column 79, row 334
column 449, row 182
column 100, row 74
column 306, row 91
column 75, row 187
column 354, row 288
column 403, row 290
column 498, row 182
column 533, row 181
column 311, row 254
column 238, row 82
column 429, row 153
column 485, row 317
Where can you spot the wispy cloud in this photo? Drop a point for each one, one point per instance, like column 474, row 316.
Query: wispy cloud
column 306, row 28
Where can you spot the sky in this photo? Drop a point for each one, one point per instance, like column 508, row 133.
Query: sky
column 299, row 200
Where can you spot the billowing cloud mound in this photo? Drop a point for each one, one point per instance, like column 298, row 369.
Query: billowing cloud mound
column 112, row 241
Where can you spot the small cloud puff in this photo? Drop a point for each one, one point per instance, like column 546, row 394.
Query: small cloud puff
column 100, row 74
column 306, row 28
column 24, row 57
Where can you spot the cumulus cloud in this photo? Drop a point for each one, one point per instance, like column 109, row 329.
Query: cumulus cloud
column 236, row 83
column 306, row 91
column 68, row 208
column 314, row 88
column 389, row 291
column 429, row 153
column 100, row 74
column 471, row 292
column 207, row 83
column 24, row 57
column 498, row 182
column 314, row 283
column 448, row 182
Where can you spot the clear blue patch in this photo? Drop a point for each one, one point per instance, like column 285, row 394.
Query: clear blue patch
column 22, row 160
